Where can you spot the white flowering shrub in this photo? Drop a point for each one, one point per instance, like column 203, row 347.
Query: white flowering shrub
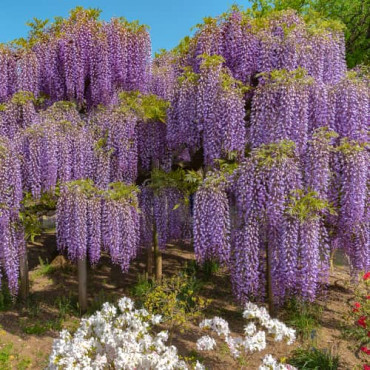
column 116, row 339
column 254, row 339
column 120, row 338
column 269, row 363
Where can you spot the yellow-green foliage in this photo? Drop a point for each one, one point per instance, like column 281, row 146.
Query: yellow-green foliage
column 177, row 300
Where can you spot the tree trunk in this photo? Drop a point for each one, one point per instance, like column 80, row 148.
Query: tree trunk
column 82, row 284
column 157, row 252
column 157, row 256
column 149, row 262
column 332, row 255
column 270, row 294
column 24, row 280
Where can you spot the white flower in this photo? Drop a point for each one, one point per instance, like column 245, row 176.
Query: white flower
column 125, row 304
column 217, row 324
column 156, row 319
column 205, row 343
column 123, row 340
column 199, row 366
column 250, row 329
column 234, row 345
column 269, row 363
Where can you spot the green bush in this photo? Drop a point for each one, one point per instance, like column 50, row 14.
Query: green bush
column 314, row 359
column 303, row 316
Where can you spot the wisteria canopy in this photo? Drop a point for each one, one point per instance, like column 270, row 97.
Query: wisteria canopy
column 249, row 139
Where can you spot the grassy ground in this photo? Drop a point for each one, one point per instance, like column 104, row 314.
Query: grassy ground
column 27, row 331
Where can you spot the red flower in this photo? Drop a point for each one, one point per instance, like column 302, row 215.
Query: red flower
column 366, row 367
column 368, row 297
column 365, row 349
column 368, row 334
column 356, row 306
column 367, row 276
column 361, row 321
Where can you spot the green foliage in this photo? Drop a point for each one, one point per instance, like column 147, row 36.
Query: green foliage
column 347, row 147
column 37, row 28
column 303, row 316
column 183, row 47
column 32, row 209
column 31, row 224
column 43, row 269
column 228, row 82
column 89, row 13
column 275, row 153
column 149, row 108
column 67, row 306
column 141, row 288
column 6, row 299
column 9, row 359
column 314, row 359
column 306, row 206
column 160, row 180
column 188, row 75
column 283, row 76
column 122, row 191
column 206, row 270
column 22, row 97
column 192, row 358
column 211, row 61
column 5, row 356
column 39, row 327
column 176, row 298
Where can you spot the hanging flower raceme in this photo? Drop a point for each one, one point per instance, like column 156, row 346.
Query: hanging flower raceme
column 317, row 161
column 86, row 60
column 251, row 43
column 165, row 208
column 262, row 183
column 117, row 144
column 89, row 219
column 182, row 128
column 353, row 223
column 220, row 111
column 27, row 71
column 163, row 75
column 305, row 249
column 349, row 102
column 241, row 46
column 58, row 148
column 280, row 108
column 18, row 113
column 153, row 151
column 8, row 77
column 12, row 244
column 211, row 220
column 208, row 40
column 121, row 223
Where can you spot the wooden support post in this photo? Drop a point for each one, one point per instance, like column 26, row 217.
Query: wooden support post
column 82, row 284
column 23, row 274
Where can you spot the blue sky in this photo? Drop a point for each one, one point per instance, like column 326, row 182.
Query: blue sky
column 169, row 20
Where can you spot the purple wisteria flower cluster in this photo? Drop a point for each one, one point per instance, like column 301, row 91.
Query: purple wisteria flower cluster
column 90, row 220
column 80, row 59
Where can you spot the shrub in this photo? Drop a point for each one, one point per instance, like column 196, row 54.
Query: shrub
column 315, row 359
